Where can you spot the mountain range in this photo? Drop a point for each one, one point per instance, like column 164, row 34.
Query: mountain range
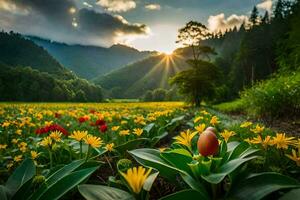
column 91, row 61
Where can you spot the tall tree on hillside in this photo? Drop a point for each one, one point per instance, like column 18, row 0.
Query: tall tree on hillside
column 266, row 18
column 198, row 82
column 278, row 12
column 191, row 36
column 254, row 17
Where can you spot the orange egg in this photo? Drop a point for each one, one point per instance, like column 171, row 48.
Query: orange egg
column 212, row 129
column 208, row 143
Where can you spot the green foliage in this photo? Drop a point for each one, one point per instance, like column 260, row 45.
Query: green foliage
column 236, row 106
column 276, row 97
column 17, row 51
column 26, row 84
column 197, row 83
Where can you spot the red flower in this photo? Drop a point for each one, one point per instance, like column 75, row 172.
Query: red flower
column 57, row 115
column 92, row 111
column 83, row 119
column 103, row 128
column 52, row 127
column 100, row 122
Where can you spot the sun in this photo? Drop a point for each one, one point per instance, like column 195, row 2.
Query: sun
column 168, row 53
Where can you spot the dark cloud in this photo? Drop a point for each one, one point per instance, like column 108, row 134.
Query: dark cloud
column 60, row 20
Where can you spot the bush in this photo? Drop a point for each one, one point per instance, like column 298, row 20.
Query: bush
column 237, row 106
column 276, row 97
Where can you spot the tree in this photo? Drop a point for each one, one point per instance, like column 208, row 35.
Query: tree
column 254, row 16
column 148, row 96
column 266, row 18
column 159, row 94
column 197, row 83
column 191, row 36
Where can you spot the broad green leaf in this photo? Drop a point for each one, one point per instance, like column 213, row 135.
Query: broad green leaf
column 184, row 194
column 293, row 194
column 195, row 185
column 158, row 138
column 232, row 145
column 20, row 176
column 151, row 158
column 101, row 192
column 175, row 120
column 149, row 181
column 225, row 169
column 149, row 127
column 67, row 183
column 56, row 176
column 23, row 191
column 238, row 150
column 260, row 185
column 179, row 158
column 132, row 144
column 3, row 192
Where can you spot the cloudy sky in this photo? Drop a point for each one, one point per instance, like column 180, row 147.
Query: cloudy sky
column 143, row 24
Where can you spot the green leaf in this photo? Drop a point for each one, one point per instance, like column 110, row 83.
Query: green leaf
column 67, row 183
column 175, row 120
column 178, row 158
column 56, row 176
column 184, row 194
column 3, row 192
column 195, row 185
column 132, row 144
column 149, row 127
column 101, row 192
column 149, row 181
column 225, row 169
column 158, row 138
column 151, row 158
column 20, row 176
column 293, row 194
column 260, row 185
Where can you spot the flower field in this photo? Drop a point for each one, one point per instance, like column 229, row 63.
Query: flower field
column 141, row 151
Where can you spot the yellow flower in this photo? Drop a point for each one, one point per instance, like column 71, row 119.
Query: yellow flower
column 124, row 122
column 18, row 158
column 34, row 154
column 10, row 165
column 281, row 141
column 295, row 157
column 185, row 138
column 258, row 129
column 5, row 124
column 204, row 112
column 214, row 120
column 245, row 124
column 19, row 132
column 78, row 135
column 124, row 132
column 15, row 141
column 22, row 146
column 200, row 128
column 46, row 142
column 93, row 141
column 136, row 177
column 138, row 131
column 264, row 142
column 48, row 123
column 197, row 119
column 3, row 146
column 110, row 147
column 56, row 136
column 115, row 128
column 227, row 134
column 140, row 120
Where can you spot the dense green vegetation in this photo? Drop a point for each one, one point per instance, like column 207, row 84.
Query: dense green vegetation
column 91, row 61
column 29, row 73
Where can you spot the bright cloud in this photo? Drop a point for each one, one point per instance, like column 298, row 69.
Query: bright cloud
column 153, row 7
column 117, row 5
column 266, row 5
column 219, row 22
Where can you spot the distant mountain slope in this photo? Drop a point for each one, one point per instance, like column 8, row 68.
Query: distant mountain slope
column 17, row 51
column 91, row 61
column 134, row 80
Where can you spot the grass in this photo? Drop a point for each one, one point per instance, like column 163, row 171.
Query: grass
column 234, row 107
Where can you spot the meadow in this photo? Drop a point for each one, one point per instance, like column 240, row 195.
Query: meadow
column 140, row 151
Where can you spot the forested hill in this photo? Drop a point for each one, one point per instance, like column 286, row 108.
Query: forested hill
column 17, row 51
column 29, row 73
column 91, row 61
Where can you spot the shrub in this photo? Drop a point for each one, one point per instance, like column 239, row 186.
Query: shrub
column 276, row 97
